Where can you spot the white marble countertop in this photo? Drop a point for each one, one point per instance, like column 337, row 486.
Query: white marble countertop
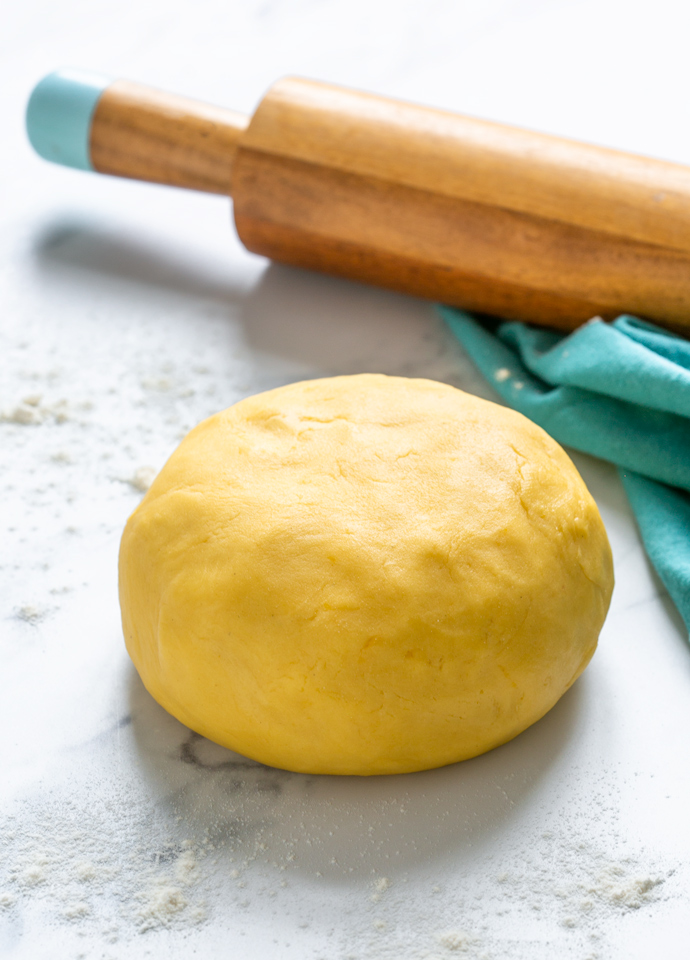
column 129, row 313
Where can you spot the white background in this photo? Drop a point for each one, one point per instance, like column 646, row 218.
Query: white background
column 128, row 313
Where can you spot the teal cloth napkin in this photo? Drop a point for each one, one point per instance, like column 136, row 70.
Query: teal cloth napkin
column 620, row 391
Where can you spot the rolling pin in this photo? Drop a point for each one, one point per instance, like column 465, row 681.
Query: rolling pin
column 476, row 214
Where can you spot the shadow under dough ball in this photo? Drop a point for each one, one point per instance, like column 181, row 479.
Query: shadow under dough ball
column 364, row 575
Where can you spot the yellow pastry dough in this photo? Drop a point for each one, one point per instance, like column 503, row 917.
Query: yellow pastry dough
column 364, row 575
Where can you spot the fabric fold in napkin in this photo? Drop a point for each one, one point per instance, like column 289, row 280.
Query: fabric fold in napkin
column 619, row 391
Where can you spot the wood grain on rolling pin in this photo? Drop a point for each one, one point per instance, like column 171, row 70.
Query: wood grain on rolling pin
column 483, row 216
column 146, row 134
column 476, row 214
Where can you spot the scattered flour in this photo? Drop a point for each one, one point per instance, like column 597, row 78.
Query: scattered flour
column 78, row 866
column 76, row 910
column 161, row 901
column 35, row 872
column 165, row 896
column 30, row 613
column 142, row 478
column 31, row 412
column 121, row 869
column 380, row 887
column 578, row 886
column 84, row 871
column 456, row 941
column 622, row 890
column 22, row 414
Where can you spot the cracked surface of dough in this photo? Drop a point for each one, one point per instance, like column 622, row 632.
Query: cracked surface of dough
column 363, row 575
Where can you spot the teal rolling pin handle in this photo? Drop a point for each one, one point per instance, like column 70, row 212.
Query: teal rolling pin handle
column 59, row 115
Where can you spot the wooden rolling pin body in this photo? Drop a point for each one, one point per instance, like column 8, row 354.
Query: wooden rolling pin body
column 472, row 213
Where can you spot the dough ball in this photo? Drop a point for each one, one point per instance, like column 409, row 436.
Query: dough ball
column 364, row 575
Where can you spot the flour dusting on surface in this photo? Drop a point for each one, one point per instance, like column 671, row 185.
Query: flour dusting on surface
column 455, row 941
column 142, row 478
column 242, row 846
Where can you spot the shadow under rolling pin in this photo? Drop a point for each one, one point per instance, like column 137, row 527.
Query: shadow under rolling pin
column 468, row 212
